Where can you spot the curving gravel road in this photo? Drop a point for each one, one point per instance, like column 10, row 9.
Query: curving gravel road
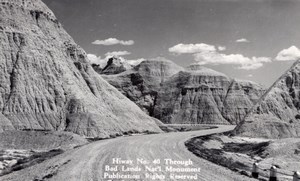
column 164, row 154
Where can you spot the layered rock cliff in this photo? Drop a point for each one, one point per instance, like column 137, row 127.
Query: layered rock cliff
column 277, row 114
column 142, row 83
column 47, row 83
column 205, row 96
column 192, row 95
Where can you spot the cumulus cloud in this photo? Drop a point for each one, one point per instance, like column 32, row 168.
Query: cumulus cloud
column 132, row 62
column 206, row 54
column 113, row 41
column 289, row 54
column 117, row 53
column 191, row 48
column 221, row 48
column 242, row 62
column 242, row 40
column 96, row 60
column 93, row 59
column 135, row 62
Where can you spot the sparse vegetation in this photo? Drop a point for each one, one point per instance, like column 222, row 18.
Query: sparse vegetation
column 250, row 149
column 95, row 139
column 217, row 156
column 34, row 158
column 189, row 127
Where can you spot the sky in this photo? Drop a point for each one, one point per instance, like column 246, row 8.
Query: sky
column 256, row 40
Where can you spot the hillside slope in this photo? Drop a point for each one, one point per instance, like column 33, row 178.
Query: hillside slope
column 277, row 114
column 205, row 96
column 47, row 82
column 193, row 95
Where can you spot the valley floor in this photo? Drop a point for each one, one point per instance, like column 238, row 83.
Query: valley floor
column 155, row 155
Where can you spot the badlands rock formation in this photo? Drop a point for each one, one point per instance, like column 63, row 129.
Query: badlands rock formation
column 47, row 82
column 40, row 140
column 277, row 114
column 205, row 96
column 141, row 84
column 115, row 65
column 192, row 95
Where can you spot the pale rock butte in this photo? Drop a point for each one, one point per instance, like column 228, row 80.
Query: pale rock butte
column 277, row 113
column 195, row 94
column 47, row 83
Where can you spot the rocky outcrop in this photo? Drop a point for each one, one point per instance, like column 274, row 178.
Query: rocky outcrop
column 47, row 83
column 277, row 114
column 142, row 83
column 205, row 96
column 192, row 95
column 115, row 65
column 97, row 68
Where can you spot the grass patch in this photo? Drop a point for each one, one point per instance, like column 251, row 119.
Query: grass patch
column 195, row 145
column 35, row 158
column 251, row 149
column 126, row 133
column 185, row 128
column 95, row 139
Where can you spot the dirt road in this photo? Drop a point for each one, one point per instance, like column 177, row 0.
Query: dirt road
column 162, row 154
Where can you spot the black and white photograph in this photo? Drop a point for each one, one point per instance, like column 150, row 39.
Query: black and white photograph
column 150, row 90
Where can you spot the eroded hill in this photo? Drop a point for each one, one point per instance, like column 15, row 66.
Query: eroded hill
column 277, row 114
column 193, row 95
column 48, row 84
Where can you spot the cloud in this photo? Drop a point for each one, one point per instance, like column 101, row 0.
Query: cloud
column 113, row 41
column 191, row 48
column 117, row 53
column 93, row 59
column 206, row 54
column 221, row 48
column 250, row 75
column 242, row 62
column 135, row 62
column 289, row 54
column 132, row 62
column 242, row 40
